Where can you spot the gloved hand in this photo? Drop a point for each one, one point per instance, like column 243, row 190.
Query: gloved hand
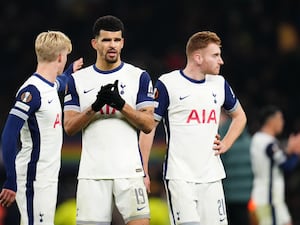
column 100, row 100
column 113, row 98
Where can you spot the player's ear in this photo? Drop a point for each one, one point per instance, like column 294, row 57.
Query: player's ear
column 93, row 43
column 197, row 57
column 122, row 45
column 59, row 58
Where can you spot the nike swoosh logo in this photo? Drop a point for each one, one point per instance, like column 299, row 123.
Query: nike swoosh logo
column 222, row 219
column 87, row 91
column 139, row 209
column 49, row 101
column 183, row 97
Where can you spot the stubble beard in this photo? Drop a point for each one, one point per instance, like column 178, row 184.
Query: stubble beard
column 111, row 61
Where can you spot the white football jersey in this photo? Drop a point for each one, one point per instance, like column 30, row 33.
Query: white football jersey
column 191, row 110
column 268, row 184
column 37, row 103
column 109, row 143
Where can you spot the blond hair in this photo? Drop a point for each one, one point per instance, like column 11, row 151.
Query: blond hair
column 201, row 40
column 48, row 45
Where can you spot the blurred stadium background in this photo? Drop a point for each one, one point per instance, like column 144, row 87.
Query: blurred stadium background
column 260, row 44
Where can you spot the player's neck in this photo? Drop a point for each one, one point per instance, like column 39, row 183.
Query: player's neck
column 105, row 66
column 268, row 130
column 193, row 73
column 47, row 71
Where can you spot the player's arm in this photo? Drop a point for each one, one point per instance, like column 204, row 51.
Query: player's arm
column 75, row 121
column 293, row 144
column 145, row 143
column 62, row 79
column 74, row 118
column 238, row 120
column 10, row 136
column 146, row 140
column 286, row 161
column 142, row 119
column 238, row 123
column 27, row 102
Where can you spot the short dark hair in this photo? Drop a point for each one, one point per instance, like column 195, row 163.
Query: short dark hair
column 267, row 112
column 107, row 23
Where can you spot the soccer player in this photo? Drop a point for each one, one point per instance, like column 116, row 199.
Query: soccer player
column 32, row 171
column 109, row 102
column 189, row 102
column 269, row 162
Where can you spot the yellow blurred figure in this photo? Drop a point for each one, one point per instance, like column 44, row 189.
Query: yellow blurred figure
column 66, row 213
column 158, row 211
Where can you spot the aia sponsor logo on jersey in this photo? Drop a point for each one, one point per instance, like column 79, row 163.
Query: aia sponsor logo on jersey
column 106, row 109
column 57, row 120
column 202, row 116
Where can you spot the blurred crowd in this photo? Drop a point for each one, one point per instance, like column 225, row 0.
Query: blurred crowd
column 260, row 47
column 260, row 41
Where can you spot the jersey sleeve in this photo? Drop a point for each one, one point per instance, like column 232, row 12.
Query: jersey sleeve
column 285, row 162
column 162, row 101
column 71, row 101
column 62, row 80
column 231, row 101
column 145, row 92
column 27, row 102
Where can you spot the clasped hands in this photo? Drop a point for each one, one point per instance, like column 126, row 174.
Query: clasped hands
column 109, row 94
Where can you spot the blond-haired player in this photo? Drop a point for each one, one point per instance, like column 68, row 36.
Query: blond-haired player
column 36, row 117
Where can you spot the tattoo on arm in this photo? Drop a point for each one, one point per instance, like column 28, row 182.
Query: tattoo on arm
column 88, row 113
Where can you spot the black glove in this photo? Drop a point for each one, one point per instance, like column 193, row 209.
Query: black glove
column 100, row 100
column 113, row 98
